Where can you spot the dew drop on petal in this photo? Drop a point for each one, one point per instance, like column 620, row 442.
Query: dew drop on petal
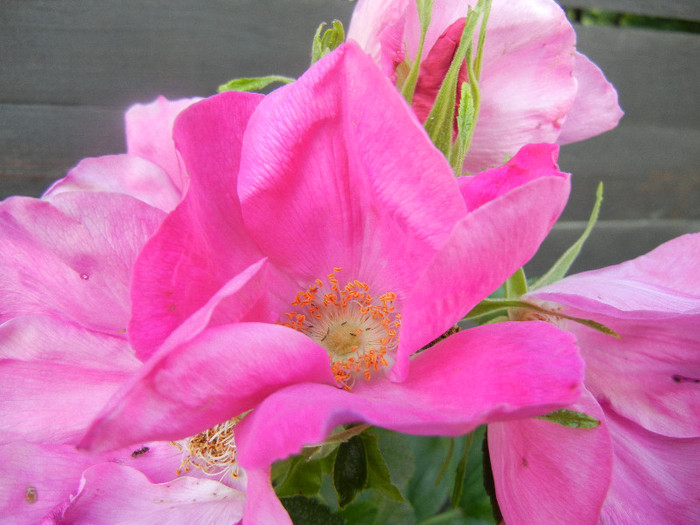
column 84, row 276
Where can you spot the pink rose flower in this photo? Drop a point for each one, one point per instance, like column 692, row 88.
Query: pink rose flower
column 313, row 256
column 641, row 464
column 150, row 170
column 65, row 273
column 534, row 85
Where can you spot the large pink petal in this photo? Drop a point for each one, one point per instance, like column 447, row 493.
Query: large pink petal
column 43, row 338
column 661, row 282
column 203, row 243
column 53, row 472
column 526, row 84
column 655, row 478
column 342, row 159
column 72, row 257
column 121, row 174
column 243, row 298
column 490, row 373
column 548, row 473
column 149, row 135
column 485, row 248
column 651, row 374
column 42, row 359
column 595, row 108
column 110, row 494
column 57, row 402
column 36, row 478
column 378, row 27
column 532, row 162
column 222, row 373
column 262, row 507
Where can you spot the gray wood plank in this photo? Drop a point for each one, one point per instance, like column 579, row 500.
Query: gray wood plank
column 114, row 53
column 69, row 69
column 656, row 73
column 38, row 144
column 611, row 242
column 680, row 9
column 649, row 172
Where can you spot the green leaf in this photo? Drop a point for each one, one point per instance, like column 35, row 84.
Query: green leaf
column 350, row 472
column 445, row 462
column 378, row 476
column 253, row 83
column 476, row 502
column 331, row 442
column 458, row 486
column 492, row 306
column 570, row 418
column 516, row 285
column 450, row 517
column 302, row 478
column 372, row 508
column 331, row 38
column 425, row 12
column 558, row 271
column 306, row 511
column 428, row 492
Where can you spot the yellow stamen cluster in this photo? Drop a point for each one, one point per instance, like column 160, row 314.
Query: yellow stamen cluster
column 358, row 331
column 212, row 451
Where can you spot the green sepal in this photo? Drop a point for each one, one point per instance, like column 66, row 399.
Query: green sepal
column 492, row 306
column 253, row 83
column 303, row 510
column 439, row 122
column 466, row 121
column 470, row 97
column 302, row 477
column 378, row 476
column 328, row 41
column 558, row 271
column 350, row 470
column 571, row 419
column 516, row 285
column 425, row 13
column 486, row 10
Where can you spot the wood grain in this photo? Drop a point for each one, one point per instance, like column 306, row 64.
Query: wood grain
column 69, row 69
column 679, row 9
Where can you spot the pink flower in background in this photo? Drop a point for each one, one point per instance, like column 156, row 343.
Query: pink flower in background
column 65, row 273
column 310, row 260
column 150, row 170
column 534, row 86
column 642, row 464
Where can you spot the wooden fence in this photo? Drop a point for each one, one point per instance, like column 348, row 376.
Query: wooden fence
column 69, row 68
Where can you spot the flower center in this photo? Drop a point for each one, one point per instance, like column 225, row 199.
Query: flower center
column 212, row 451
column 358, row 331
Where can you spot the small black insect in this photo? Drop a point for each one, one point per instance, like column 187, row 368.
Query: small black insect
column 140, row 451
